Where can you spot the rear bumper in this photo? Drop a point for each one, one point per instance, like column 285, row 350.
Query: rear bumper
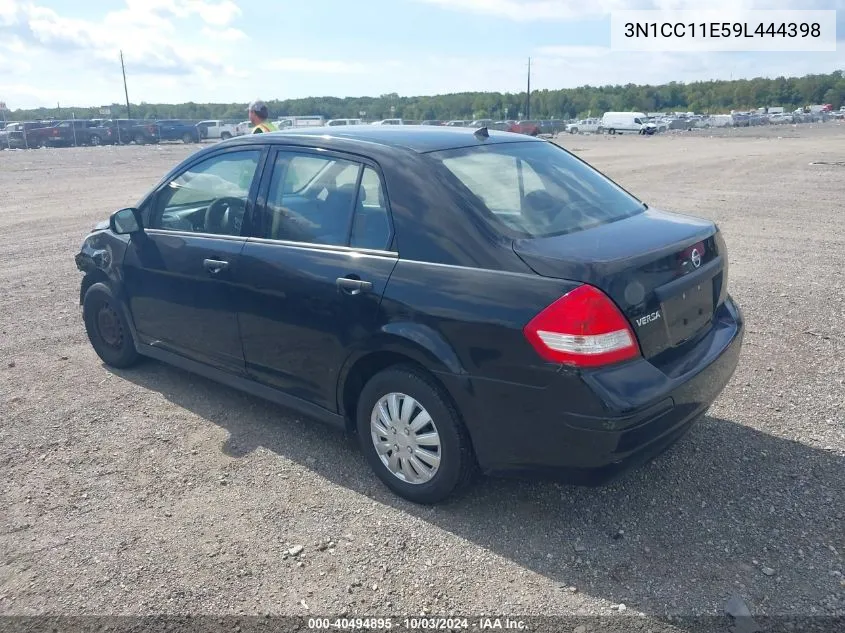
column 634, row 411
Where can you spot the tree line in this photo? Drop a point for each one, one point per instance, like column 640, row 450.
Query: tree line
column 701, row 97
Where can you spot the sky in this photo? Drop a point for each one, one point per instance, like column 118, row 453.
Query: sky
column 234, row 51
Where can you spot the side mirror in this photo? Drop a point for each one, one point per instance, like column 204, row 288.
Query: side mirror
column 126, row 222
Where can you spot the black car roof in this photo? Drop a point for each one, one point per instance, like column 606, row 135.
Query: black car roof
column 418, row 138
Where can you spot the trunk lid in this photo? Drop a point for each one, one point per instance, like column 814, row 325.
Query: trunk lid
column 666, row 272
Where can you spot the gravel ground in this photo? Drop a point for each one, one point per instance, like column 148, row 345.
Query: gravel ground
column 152, row 490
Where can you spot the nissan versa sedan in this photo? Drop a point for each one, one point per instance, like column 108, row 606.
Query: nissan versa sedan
column 464, row 300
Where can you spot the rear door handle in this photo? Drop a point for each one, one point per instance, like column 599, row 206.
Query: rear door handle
column 215, row 266
column 353, row 286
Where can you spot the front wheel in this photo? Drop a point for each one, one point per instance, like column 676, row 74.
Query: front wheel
column 413, row 437
column 225, row 136
column 107, row 328
column 187, row 137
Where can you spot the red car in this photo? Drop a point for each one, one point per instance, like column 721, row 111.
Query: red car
column 532, row 128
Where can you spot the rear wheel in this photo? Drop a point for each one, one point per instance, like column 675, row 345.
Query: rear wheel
column 140, row 139
column 187, row 138
column 107, row 328
column 225, row 136
column 96, row 140
column 412, row 436
column 611, row 131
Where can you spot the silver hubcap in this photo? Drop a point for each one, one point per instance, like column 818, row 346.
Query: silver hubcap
column 406, row 440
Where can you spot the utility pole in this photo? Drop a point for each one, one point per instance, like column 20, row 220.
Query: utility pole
column 528, row 93
column 125, row 90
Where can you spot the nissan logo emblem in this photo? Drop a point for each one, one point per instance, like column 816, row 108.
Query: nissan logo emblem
column 695, row 258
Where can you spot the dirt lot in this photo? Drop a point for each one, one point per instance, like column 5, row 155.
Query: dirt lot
column 153, row 490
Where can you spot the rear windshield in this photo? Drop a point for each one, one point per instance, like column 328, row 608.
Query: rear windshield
column 536, row 189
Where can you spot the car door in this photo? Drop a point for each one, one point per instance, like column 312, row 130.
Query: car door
column 179, row 274
column 313, row 272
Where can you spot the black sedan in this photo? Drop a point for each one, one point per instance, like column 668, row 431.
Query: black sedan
column 463, row 300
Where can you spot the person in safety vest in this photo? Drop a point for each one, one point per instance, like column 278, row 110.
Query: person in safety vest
column 258, row 115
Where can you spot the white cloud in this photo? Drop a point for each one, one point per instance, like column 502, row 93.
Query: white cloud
column 568, row 10
column 327, row 66
column 224, row 35
column 144, row 30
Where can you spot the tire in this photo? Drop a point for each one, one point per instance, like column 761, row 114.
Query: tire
column 187, row 138
column 457, row 463
column 225, row 136
column 96, row 140
column 107, row 328
column 611, row 131
column 140, row 139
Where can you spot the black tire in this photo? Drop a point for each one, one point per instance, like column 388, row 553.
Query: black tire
column 611, row 131
column 107, row 328
column 96, row 140
column 140, row 139
column 225, row 136
column 187, row 138
column 457, row 461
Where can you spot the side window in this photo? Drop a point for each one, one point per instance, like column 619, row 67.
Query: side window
column 371, row 227
column 210, row 197
column 311, row 199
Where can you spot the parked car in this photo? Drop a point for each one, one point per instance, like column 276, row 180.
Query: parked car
column 389, row 122
column 584, row 126
column 482, row 300
column 127, row 131
column 334, row 122
column 218, row 129
column 77, row 132
column 178, row 130
column 531, row 128
column 27, row 134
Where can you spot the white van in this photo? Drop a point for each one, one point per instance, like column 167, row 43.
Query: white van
column 627, row 122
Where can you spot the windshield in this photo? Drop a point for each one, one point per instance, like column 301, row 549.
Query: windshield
column 536, row 189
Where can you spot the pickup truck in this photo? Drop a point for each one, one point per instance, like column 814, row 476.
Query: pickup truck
column 124, row 131
column 585, row 126
column 78, row 132
column 217, row 129
column 177, row 130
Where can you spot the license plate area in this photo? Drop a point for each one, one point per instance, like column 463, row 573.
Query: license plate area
column 688, row 311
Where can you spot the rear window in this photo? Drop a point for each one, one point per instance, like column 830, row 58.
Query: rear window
column 536, row 189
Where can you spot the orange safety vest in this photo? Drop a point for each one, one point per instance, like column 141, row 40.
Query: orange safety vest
column 264, row 127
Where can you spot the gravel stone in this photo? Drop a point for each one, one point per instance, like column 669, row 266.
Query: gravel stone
column 151, row 438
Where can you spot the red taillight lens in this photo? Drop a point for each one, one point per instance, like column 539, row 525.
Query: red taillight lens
column 583, row 328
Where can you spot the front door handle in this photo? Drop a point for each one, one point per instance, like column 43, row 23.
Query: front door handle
column 353, row 286
column 215, row 266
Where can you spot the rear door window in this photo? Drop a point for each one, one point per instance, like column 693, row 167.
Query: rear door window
column 311, row 199
column 535, row 189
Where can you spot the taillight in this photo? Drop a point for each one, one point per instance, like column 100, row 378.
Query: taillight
column 583, row 328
